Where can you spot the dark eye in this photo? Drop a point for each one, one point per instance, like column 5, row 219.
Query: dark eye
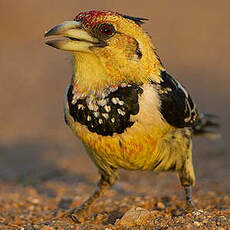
column 107, row 30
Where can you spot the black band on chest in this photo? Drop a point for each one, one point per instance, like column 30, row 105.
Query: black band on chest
column 109, row 112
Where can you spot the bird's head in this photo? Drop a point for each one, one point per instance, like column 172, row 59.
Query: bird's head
column 108, row 48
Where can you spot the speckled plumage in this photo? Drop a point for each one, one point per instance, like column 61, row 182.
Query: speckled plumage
column 108, row 112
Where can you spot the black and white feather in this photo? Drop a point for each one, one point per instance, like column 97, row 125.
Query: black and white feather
column 108, row 112
column 177, row 106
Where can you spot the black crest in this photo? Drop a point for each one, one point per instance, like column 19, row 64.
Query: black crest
column 138, row 21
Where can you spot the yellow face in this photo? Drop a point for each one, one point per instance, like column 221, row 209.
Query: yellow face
column 117, row 43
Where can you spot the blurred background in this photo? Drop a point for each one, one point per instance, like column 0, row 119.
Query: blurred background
column 192, row 38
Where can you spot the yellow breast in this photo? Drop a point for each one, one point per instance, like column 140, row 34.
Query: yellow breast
column 143, row 146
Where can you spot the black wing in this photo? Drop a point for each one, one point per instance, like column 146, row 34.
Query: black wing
column 106, row 114
column 177, row 106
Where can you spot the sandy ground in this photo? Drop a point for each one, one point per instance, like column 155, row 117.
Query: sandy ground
column 44, row 169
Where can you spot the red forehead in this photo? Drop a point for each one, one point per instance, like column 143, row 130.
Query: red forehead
column 92, row 16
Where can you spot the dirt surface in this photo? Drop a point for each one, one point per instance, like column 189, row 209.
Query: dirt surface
column 44, row 169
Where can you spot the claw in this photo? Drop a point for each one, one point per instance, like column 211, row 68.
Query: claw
column 190, row 207
column 77, row 215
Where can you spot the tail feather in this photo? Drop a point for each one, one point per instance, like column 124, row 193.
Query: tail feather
column 205, row 123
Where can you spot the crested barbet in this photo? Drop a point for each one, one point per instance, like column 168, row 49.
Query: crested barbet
column 122, row 104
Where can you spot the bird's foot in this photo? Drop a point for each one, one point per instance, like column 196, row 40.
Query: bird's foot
column 77, row 214
column 190, row 207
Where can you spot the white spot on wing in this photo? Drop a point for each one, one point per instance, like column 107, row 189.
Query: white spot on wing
column 113, row 89
column 121, row 112
column 115, row 100
column 121, row 102
column 76, row 96
column 80, row 106
column 123, row 85
column 96, row 114
column 102, row 102
column 92, row 106
column 105, row 115
column 74, row 100
column 107, row 108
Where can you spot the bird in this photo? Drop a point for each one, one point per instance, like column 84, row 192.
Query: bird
column 127, row 110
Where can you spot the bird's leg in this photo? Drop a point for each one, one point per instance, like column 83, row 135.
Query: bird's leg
column 187, row 180
column 187, row 185
column 186, row 174
column 79, row 213
column 188, row 196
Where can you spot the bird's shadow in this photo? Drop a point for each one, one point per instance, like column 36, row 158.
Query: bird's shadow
column 25, row 163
